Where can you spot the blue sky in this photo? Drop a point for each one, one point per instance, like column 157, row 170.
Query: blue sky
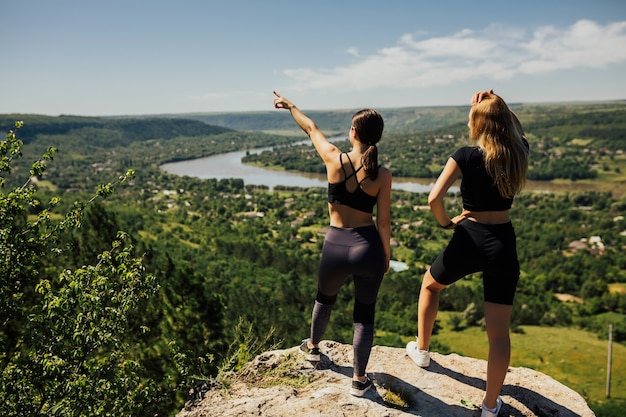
column 134, row 57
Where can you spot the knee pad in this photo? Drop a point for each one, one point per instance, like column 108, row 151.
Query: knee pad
column 364, row 313
column 325, row 299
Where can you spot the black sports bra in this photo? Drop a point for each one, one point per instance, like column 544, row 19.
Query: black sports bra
column 357, row 199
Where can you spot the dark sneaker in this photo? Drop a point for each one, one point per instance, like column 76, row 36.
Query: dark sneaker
column 311, row 354
column 359, row 388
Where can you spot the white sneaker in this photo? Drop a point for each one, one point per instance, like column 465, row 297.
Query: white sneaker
column 420, row 357
column 488, row 413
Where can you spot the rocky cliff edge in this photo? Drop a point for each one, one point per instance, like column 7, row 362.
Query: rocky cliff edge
column 282, row 383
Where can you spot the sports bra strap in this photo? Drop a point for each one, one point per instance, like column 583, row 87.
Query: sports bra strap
column 342, row 167
column 357, row 198
column 354, row 171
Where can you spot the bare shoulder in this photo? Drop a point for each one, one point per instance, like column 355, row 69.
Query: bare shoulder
column 331, row 157
column 383, row 180
column 384, row 174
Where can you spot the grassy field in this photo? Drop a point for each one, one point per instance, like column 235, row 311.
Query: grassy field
column 577, row 359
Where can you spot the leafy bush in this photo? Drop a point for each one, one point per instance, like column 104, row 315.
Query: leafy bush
column 64, row 344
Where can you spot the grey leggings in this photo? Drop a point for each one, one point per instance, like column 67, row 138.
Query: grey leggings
column 357, row 252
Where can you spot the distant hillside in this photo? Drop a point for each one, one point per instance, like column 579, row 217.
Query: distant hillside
column 119, row 131
column 335, row 121
column 571, row 141
column 589, row 119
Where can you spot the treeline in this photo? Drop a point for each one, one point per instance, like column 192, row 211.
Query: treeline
column 216, row 266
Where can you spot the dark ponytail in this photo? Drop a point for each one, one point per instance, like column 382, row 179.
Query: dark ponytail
column 369, row 127
column 370, row 162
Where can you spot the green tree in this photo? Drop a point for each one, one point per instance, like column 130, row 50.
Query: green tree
column 64, row 344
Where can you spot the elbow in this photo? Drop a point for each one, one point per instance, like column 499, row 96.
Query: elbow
column 310, row 128
column 433, row 200
column 435, row 203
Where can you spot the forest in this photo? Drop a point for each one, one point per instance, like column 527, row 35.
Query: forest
column 124, row 286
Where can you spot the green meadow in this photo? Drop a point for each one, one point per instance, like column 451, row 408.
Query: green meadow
column 576, row 358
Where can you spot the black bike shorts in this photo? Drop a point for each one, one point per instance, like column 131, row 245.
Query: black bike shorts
column 487, row 248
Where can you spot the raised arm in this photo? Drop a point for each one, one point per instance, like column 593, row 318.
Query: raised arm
column 326, row 150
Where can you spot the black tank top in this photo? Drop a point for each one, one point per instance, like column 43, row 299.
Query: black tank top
column 357, row 199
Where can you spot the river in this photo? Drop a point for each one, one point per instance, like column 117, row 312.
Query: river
column 229, row 165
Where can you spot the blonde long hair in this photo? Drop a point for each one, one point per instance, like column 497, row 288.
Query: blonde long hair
column 496, row 130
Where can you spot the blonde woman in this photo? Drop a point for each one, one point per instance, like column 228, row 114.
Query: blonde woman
column 492, row 171
column 356, row 245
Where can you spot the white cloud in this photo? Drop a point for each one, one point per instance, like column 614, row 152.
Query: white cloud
column 353, row 51
column 584, row 44
column 496, row 53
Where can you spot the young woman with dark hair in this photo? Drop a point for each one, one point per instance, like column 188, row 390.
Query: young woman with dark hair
column 357, row 243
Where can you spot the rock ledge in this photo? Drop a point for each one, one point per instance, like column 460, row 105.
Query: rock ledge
column 281, row 383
